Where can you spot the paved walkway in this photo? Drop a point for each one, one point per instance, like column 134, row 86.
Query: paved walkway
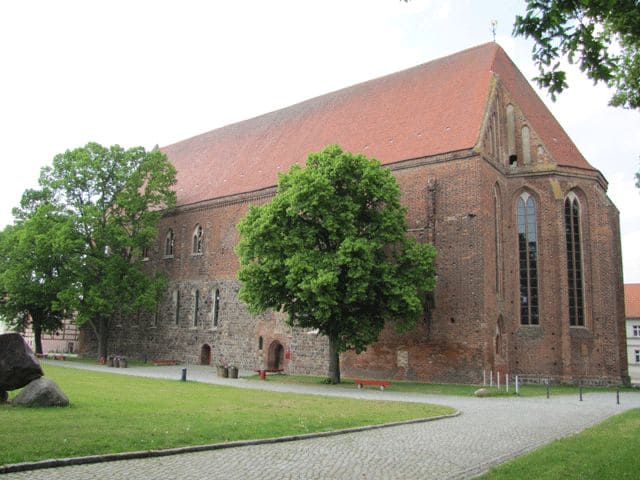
column 489, row 431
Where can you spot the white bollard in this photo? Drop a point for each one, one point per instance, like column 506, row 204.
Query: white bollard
column 484, row 378
column 498, row 379
column 491, row 378
column 517, row 386
column 506, row 382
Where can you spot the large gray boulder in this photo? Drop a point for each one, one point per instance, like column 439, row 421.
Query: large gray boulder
column 18, row 365
column 42, row 392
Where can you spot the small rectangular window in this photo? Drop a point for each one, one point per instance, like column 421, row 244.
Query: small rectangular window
column 637, row 354
column 636, row 330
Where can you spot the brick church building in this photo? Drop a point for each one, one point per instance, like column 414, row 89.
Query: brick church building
column 529, row 273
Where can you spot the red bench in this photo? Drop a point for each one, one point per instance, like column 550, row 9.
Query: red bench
column 163, row 361
column 378, row 383
column 263, row 372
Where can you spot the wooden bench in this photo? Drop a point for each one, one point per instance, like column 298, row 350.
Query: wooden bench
column 165, row 361
column 57, row 356
column 378, row 383
column 41, row 355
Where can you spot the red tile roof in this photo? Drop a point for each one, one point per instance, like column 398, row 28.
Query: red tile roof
column 426, row 110
column 632, row 300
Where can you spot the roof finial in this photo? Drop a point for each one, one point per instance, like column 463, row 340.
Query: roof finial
column 494, row 26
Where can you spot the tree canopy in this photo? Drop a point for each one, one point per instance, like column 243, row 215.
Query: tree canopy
column 33, row 269
column 601, row 36
column 331, row 251
column 112, row 199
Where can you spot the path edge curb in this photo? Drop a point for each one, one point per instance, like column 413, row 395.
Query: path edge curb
column 112, row 457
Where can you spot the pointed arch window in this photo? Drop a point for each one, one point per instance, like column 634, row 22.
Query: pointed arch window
column 497, row 215
column 511, row 135
column 574, row 260
column 197, row 240
column 528, row 259
column 169, row 242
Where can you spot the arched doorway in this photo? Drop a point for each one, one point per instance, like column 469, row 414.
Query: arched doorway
column 275, row 358
column 205, row 355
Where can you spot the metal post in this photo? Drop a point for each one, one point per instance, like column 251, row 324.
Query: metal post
column 547, row 383
column 183, row 378
column 617, row 395
column 580, row 392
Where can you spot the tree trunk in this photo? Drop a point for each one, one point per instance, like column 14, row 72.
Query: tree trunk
column 37, row 335
column 334, row 360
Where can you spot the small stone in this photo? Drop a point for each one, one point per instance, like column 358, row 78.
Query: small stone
column 42, row 392
column 482, row 392
column 18, row 364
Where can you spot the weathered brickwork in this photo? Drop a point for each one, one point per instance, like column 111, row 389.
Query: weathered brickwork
column 463, row 201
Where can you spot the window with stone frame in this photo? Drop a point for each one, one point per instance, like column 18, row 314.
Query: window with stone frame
column 215, row 308
column 528, row 259
column 574, row 260
column 637, row 355
column 635, row 330
column 196, row 307
column 197, row 240
column 176, row 307
column 169, row 243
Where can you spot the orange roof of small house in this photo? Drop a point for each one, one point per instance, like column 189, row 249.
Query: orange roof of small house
column 434, row 108
column 632, row 300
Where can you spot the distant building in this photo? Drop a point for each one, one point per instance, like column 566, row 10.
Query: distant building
column 64, row 340
column 632, row 314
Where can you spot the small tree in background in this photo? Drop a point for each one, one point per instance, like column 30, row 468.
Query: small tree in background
column 331, row 251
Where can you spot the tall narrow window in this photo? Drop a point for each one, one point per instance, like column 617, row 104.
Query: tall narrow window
column 574, row 260
column 176, row 307
column 511, row 135
column 197, row 239
column 168, row 243
column 528, row 256
column 196, row 307
column 497, row 215
column 526, row 145
column 215, row 307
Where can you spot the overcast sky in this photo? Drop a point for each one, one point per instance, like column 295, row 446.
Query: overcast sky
column 156, row 72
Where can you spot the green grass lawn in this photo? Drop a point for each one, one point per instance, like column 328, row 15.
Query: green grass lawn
column 444, row 388
column 117, row 413
column 606, row 451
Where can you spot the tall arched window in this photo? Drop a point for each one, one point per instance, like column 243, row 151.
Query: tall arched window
column 168, row 243
column 511, row 135
column 197, row 240
column 176, row 306
column 497, row 215
column 574, row 260
column 528, row 256
column 215, row 308
column 196, row 307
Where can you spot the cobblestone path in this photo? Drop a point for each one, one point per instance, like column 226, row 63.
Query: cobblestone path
column 488, row 431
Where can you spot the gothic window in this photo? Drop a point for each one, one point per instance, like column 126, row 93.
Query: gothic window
column 574, row 260
column 497, row 215
column 176, row 306
column 528, row 258
column 196, row 307
column 169, row 243
column 197, row 240
column 526, row 145
column 511, row 135
column 215, row 307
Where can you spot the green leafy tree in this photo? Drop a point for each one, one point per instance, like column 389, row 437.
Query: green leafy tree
column 33, row 269
column 601, row 36
column 114, row 199
column 331, row 251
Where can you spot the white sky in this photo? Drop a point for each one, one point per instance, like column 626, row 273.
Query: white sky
column 156, row 72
